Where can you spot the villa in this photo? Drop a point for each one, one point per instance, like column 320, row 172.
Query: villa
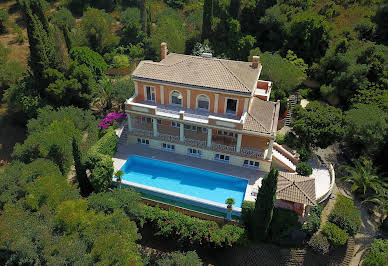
column 219, row 113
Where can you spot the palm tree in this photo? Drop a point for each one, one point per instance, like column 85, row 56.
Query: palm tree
column 229, row 202
column 363, row 177
column 118, row 176
column 381, row 201
column 104, row 96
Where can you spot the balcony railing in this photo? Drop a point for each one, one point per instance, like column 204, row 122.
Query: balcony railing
column 244, row 151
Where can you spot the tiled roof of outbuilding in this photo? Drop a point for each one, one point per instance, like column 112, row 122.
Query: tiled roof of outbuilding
column 296, row 188
column 201, row 71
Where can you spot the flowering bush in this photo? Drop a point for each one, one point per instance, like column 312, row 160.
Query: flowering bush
column 111, row 119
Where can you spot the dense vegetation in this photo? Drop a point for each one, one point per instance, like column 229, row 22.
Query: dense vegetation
column 334, row 53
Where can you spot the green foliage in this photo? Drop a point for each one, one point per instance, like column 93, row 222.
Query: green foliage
column 304, row 169
column 366, row 127
column 366, row 29
column 181, row 259
column 171, row 30
column 382, row 23
column 283, row 222
column 377, row 254
column 101, row 167
column 40, row 36
column 313, row 220
column 335, row 235
column 96, row 25
column 319, row 244
column 120, row 61
column 247, row 215
column 318, row 125
column 373, row 95
column 83, row 181
column 93, row 60
column 107, row 144
column 10, row 71
column 200, row 48
column 207, row 21
column 285, row 75
column 3, row 20
column 345, row 215
column 363, row 177
column 77, row 6
column 122, row 90
column 130, row 15
column 264, row 206
column 305, row 154
column 291, row 140
column 280, row 138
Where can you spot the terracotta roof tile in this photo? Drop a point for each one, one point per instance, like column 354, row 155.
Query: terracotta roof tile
column 201, row 71
column 296, row 188
column 260, row 116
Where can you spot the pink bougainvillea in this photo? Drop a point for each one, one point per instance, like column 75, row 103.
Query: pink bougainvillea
column 111, row 119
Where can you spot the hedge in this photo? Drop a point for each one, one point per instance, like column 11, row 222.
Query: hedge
column 172, row 224
column 345, row 215
column 247, row 211
column 107, row 144
column 335, row 235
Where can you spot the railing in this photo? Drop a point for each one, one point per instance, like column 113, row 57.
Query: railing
column 221, row 147
column 332, row 182
column 252, row 153
column 195, row 142
column 169, row 138
column 285, row 153
column 141, row 132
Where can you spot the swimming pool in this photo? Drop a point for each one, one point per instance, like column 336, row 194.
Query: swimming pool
column 189, row 184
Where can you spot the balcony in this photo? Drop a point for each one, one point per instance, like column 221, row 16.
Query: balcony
column 218, row 143
column 179, row 112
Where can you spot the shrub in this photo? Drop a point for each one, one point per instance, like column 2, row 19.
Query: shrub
column 304, row 169
column 181, row 259
column 291, row 140
column 319, row 244
column 283, row 222
column 172, row 224
column 3, row 20
column 247, row 212
column 313, row 221
column 345, row 215
column 335, row 235
column 377, row 254
column 20, row 34
column 280, row 139
column 107, row 144
column 304, row 154
column 112, row 119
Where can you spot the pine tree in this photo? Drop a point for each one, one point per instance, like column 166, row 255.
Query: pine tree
column 207, row 19
column 41, row 38
column 83, row 181
column 264, row 205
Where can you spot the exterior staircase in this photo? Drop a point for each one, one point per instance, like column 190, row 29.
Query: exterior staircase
column 284, row 158
column 122, row 133
column 293, row 100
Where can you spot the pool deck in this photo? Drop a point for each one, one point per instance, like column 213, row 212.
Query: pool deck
column 252, row 175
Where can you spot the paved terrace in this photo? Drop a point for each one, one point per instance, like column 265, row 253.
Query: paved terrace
column 124, row 151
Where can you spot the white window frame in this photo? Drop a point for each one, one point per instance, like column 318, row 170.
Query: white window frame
column 153, row 92
column 251, row 164
column 220, row 157
column 194, row 152
column 143, row 141
column 226, row 104
column 181, row 104
column 168, row 147
column 208, row 101
column 146, row 120
column 175, row 124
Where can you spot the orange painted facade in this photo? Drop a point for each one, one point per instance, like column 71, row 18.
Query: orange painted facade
column 194, row 93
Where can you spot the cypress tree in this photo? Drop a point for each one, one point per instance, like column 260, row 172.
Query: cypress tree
column 207, row 19
column 264, row 205
column 143, row 14
column 234, row 8
column 83, row 181
column 41, row 38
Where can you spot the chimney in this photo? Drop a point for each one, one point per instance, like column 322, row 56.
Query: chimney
column 164, row 50
column 255, row 61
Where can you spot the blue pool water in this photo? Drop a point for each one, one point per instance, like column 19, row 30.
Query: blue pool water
column 184, row 180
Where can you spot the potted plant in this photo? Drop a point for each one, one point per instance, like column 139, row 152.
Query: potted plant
column 229, row 202
column 118, row 176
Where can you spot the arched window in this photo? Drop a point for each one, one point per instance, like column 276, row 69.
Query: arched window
column 176, row 98
column 203, row 102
